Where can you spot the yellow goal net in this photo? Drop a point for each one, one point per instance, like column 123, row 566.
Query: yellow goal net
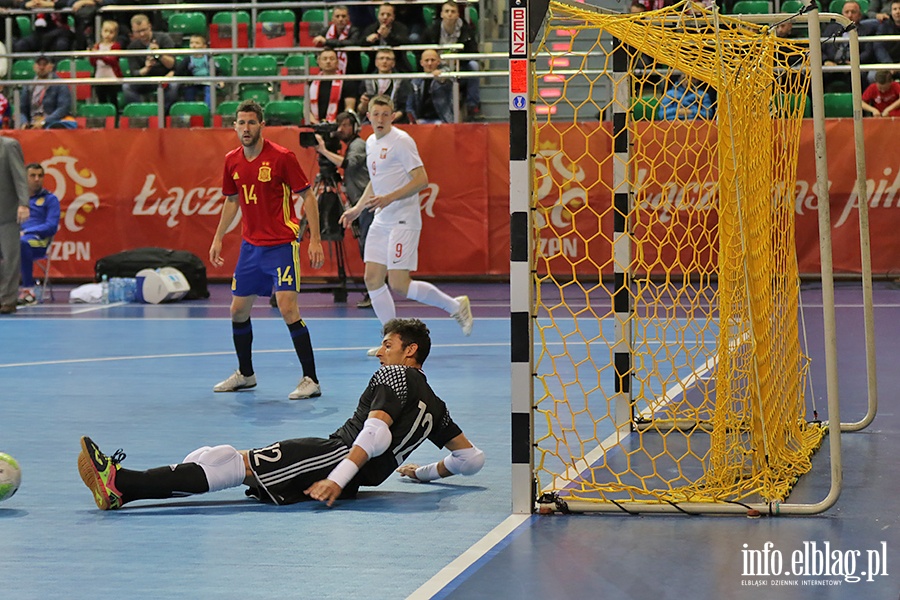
column 669, row 366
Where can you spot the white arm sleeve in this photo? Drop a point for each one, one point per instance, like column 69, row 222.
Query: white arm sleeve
column 374, row 438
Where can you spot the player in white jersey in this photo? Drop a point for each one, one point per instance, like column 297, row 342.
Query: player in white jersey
column 396, row 176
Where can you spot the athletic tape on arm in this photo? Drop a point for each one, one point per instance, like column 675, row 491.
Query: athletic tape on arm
column 223, row 466
column 374, row 438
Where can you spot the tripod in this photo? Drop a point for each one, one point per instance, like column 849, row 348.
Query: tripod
column 332, row 201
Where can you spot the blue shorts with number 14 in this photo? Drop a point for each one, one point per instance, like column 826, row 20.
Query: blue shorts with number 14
column 260, row 268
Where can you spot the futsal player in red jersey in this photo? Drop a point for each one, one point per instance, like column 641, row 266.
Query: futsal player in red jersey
column 259, row 178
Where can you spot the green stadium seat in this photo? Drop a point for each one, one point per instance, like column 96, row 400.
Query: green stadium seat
column 643, row 108
column 140, row 115
column 296, row 64
column 83, row 70
column 220, row 30
column 789, row 103
column 472, row 12
column 365, row 59
column 284, row 112
column 751, row 7
column 413, row 61
column 274, row 29
column 428, row 12
column 189, row 114
column 791, row 6
column 96, row 116
column 223, row 65
column 187, row 24
column 254, row 91
column 224, row 116
column 123, row 64
column 315, row 15
column 838, row 105
column 837, row 5
column 25, row 26
column 23, row 69
column 261, row 65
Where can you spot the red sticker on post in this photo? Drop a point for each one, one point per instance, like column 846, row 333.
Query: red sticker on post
column 518, row 76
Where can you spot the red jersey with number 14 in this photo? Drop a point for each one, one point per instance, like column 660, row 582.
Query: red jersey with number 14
column 264, row 187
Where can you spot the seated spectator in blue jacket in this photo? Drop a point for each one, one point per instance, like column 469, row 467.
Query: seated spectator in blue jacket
column 45, row 106
column 36, row 231
column 838, row 53
column 889, row 52
column 431, row 98
column 687, row 99
column 452, row 29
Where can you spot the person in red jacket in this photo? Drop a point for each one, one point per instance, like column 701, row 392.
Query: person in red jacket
column 105, row 65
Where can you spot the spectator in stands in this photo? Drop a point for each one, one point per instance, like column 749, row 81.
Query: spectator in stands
column 152, row 65
column 51, row 29
column 889, row 52
column 838, row 53
column 686, row 100
column 45, row 106
column 882, row 98
column 83, row 15
column 388, row 32
column 6, row 116
column 339, row 34
column 431, row 98
column 324, row 98
column 880, row 10
column 396, row 89
column 454, row 30
column 105, row 65
column 413, row 17
column 36, row 231
column 196, row 65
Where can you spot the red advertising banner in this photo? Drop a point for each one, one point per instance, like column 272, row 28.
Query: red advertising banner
column 124, row 189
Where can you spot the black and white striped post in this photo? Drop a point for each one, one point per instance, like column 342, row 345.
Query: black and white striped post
column 521, row 256
column 621, row 186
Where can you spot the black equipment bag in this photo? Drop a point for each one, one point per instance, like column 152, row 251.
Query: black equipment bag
column 129, row 262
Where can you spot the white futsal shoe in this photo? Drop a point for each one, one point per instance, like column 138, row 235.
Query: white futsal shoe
column 463, row 314
column 373, row 352
column 307, row 388
column 236, row 383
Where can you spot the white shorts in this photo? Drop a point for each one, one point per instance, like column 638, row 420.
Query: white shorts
column 395, row 247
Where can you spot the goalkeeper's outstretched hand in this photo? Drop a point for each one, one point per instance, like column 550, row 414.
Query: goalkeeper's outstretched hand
column 409, row 470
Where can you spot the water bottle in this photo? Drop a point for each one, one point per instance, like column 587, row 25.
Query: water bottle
column 104, row 290
column 115, row 289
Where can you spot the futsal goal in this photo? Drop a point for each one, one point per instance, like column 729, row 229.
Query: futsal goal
column 657, row 353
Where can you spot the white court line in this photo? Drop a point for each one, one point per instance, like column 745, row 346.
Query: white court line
column 446, row 575
column 70, row 361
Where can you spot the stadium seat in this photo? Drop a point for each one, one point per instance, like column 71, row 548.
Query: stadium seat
column 789, row 102
column 751, row 7
column 644, row 108
column 255, row 91
column 220, row 30
column 791, row 6
column 83, row 70
column 188, row 114
column 315, row 15
column 472, row 13
column 295, row 64
column 274, row 29
column 223, row 65
column 42, row 264
column 428, row 12
column 261, row 65
column 284, row 112
column 224, row 116
column 25, row 26
column 365, row 59
column 140, row 115
column 187, row 24
column 123, row 64
column 838, row 104
column 96, row 116
column 23, row 69
column 837, row 5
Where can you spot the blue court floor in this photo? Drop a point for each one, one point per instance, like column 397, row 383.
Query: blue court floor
column 140, row 378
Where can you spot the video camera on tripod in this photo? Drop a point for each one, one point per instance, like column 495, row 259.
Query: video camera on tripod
column 328, row 190
column 327, row 170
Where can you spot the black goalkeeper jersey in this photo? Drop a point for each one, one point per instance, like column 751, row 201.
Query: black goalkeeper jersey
column 417, row 412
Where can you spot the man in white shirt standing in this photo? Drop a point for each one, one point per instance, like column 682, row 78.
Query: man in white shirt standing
column 396, row 176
